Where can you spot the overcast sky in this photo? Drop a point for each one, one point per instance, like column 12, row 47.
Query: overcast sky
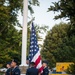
column 42, row 17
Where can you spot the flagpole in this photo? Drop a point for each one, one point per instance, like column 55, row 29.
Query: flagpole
column 24, row 33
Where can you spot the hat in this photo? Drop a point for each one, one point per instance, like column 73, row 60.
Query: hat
column 27, row 58
column 14, row 60
column 45, row 62
column 32, row 63
column 8, row 63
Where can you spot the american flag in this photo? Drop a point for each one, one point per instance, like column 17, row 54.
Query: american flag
column 34, row 53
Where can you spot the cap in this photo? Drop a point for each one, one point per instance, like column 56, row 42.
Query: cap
column 32, row 63
column 9, row 63
column 14, row 60
column 45, row 62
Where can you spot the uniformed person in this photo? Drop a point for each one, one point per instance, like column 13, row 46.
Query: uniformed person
column 32, row 70
column 9, row 70
column 15, row 68
column 45, row 68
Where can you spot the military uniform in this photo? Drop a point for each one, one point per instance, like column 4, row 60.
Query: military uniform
column 45, row 71
column 9, row 71
column 32, row 71
column 16, row 71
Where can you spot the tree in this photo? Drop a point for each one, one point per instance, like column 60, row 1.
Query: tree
column 10, row 45
column 57, row 46
column 10, row 37
column 67, row 10
column 32, row 2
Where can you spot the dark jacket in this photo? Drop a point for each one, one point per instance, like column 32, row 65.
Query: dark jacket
column 45, row 71
column 9, row 71
column 32, row 71
column 16, row 71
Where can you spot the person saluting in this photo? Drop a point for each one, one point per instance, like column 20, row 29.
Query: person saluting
column 15, row 68
column 9, row 70
column 45, row 68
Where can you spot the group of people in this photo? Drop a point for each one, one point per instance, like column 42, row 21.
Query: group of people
column 13, row 69
column 34, row 71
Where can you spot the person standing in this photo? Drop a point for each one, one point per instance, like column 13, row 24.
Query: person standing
column 32, row 70
column 45, row 70
column 15, row 68
column 9, row 70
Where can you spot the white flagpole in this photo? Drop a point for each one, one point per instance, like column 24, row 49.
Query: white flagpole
column 24, row 37
column 24, row 33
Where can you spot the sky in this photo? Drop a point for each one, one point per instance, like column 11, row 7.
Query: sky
column 42, row 17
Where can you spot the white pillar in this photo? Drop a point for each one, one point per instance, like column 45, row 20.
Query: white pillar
column 24, row 33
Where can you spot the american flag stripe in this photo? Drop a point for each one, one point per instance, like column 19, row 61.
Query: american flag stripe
column 39, row 65
column 41, row 69
column 37, row 61
column 36, row 56
column 34, row 53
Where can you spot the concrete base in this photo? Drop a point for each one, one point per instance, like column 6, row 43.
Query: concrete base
column 23, row 69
